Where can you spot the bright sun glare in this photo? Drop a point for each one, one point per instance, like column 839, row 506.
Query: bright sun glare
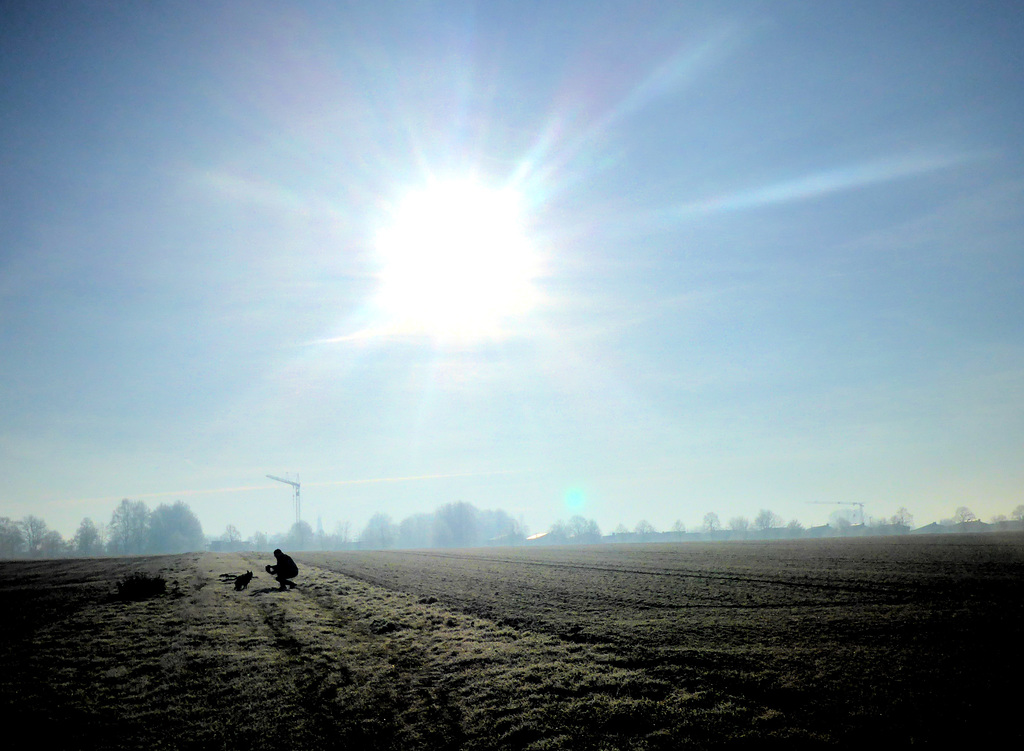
column 456, row 261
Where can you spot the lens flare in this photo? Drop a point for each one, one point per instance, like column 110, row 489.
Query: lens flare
column 575, row 501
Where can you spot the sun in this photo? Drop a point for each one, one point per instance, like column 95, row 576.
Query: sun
column 456, row 262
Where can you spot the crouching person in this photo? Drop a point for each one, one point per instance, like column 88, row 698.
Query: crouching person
column 285, row 570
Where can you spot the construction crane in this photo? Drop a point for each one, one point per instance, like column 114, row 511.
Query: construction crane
column 844, row 503
column 295, row 488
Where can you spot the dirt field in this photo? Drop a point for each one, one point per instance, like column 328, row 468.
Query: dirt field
column 793, row 644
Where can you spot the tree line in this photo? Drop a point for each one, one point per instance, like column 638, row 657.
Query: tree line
column 133, row 529
column 453, row 525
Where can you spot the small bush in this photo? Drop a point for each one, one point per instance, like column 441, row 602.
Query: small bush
column 141, row 586
column 383, row 626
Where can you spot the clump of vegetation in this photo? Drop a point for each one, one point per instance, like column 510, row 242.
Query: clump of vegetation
column 383, row 626
column 141, row 586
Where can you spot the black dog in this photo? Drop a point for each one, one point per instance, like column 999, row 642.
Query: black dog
column 242, row 582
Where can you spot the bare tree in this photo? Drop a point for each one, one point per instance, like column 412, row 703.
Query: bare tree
column 259, row 541
column 33, row 530
column 766, row 520
column 645, row 530
column 456, row 525
column 584, row 530
column 964, row 515
column 902, row 519
column 1018, row 513
column 129, row 527
column 343, row 533
column 416, row 531
column 739, row 524
column 379, row 532
column 300, row 536
column 559, row 532
column 51, row 544
column 711, row 522
column 496, row 525
column 175, row 529
column 87, row 540
column 579, row 529
column 12, row 540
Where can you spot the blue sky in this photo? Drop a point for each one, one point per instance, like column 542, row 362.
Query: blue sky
column 775, row 257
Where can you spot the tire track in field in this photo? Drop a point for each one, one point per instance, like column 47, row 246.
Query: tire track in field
column 633, row 604
column 853, row 586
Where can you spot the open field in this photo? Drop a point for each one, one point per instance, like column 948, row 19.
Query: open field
column 793, row 644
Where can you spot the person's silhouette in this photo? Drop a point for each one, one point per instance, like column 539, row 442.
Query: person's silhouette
column 284, row 570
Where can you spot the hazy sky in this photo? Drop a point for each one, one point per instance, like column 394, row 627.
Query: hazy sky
column 631, row 260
